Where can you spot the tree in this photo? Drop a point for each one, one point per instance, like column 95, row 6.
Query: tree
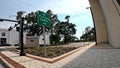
column 67, row 18
column 72, row 38
column 57, row 28
column 32, row 26
column 89, row 34
column 19, row 15
column 49, row 12
column 66, row 29
column 87, row 31
column 53, row 20
column 55, row 38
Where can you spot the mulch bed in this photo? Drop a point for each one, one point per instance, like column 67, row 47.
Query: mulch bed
column 51, row 51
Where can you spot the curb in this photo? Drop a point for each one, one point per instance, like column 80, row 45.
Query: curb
column 51, row 60
column 5, row 63
column 11, row 63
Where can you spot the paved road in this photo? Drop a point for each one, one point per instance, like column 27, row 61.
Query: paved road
column 1, row 66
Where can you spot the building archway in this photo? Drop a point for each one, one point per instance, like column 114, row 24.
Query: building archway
column 106, row 15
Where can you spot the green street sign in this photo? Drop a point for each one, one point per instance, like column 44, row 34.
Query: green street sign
column 43, row 19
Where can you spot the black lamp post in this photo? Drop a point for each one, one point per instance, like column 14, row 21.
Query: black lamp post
column 1, row 19
column 22, row 52
column 21, row 21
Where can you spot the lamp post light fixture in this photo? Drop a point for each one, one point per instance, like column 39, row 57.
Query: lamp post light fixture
column 93, row 23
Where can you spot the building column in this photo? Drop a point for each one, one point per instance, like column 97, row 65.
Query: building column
column 99, row 21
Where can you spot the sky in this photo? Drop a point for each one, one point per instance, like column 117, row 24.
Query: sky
column 76, row 9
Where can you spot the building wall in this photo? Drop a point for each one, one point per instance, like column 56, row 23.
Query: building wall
column 100, row 24
column 12, row 37
column 6, row 35
column 111, row 11
column 111, row 17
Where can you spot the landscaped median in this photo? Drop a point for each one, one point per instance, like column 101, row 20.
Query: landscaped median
column 65, row 51
column 13, row 58
column 52, row 60
column 55, row 58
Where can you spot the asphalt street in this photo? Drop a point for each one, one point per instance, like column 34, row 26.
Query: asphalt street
column 1, row 66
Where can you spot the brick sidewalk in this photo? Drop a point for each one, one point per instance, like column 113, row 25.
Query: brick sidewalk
column 84, row 58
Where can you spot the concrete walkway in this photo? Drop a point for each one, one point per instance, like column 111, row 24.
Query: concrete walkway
column 1, row 66
column 87, row 57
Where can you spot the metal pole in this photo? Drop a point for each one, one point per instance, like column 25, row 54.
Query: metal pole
column 8, row 20
column 22, row 53
column 19, row 35
column 44, row 41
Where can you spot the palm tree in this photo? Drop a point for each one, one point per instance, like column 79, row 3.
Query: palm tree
column 66, row 29
column 67, row 18
column 89, row 34
column 87, row 31
column 53, row 20
column 49, row 12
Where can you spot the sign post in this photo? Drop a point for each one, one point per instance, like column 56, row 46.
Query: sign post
column 45, row 50
column 44, row 21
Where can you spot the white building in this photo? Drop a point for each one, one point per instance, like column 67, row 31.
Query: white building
column 12, row 37
column 8, row 37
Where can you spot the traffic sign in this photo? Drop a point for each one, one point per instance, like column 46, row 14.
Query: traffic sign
column 43, row 19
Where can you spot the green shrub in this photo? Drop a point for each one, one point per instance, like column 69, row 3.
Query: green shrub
column 51, row 51
column 51, row 54
column 50, row 48
column 59, row 49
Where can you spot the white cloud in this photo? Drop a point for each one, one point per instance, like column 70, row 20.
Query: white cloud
column 72, row 6
column 69, row 7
